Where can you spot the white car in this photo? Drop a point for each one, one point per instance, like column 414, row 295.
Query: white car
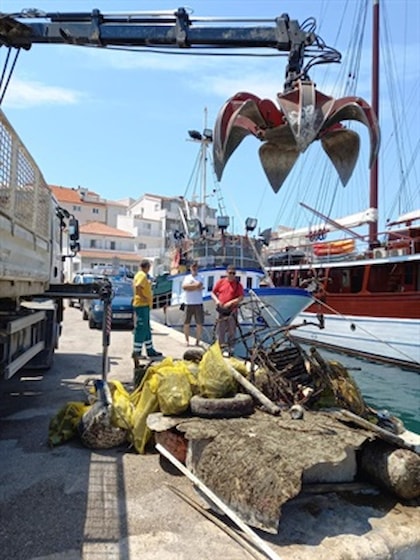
column 84, row 278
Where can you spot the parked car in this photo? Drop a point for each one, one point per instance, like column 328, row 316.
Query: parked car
column 121, row 307
column 86, row 304
column 84, row 278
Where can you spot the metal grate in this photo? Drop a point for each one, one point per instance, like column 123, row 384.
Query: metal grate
column 24, row 194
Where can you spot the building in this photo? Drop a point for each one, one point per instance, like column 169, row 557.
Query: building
column 126, row 231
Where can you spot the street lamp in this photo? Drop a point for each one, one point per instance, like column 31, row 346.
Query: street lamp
column 250, row 224
column 223, row 223
column 195, row 135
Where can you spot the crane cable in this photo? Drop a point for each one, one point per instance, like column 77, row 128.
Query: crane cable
column 5, row 83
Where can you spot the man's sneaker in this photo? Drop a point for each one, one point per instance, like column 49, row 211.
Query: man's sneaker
column 154, row 353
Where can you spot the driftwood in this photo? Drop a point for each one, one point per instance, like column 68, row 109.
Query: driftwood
column 383, row 434
column 397, row 470
column 267, row 404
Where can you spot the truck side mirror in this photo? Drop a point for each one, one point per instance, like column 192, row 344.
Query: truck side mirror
column 73, row 228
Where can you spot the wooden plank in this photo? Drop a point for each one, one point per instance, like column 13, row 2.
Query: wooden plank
column 267, row 404
column 383, row 434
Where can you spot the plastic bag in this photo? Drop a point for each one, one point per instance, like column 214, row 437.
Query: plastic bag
column 63, row 426
column 145, row 402
column 214, row 379
column 122, row 407
column 174, row 393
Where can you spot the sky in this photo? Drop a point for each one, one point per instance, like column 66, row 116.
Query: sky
column 117, row 122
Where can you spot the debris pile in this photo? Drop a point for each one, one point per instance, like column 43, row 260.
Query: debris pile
column 254, row 432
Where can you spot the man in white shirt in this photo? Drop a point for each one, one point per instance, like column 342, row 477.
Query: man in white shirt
column 193, row 285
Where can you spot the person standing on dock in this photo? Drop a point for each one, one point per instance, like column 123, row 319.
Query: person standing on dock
column 227, row 293
column 193, row 285
column 142, row 303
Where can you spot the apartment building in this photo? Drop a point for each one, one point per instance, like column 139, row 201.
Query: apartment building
column 123, row 232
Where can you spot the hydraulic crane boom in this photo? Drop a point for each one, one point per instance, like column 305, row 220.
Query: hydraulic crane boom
column 165, row 29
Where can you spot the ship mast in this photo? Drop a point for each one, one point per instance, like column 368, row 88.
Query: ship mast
column 373, row 226
column 205, row 139
column 204, row 146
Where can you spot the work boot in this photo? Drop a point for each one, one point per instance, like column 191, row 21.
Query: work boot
column 152, row 353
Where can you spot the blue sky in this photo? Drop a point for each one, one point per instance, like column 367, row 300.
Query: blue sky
column 117, row 122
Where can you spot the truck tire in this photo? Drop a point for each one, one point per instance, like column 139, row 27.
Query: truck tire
column 233, row 407
column 92, row 324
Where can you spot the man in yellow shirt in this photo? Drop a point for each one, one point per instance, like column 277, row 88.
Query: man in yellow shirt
column 142, row 303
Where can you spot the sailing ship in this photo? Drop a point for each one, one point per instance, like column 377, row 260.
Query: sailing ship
column 366, row 287
column 205, row 238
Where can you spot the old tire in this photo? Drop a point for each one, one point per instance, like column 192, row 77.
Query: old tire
column 233, row 407
column 193, row 355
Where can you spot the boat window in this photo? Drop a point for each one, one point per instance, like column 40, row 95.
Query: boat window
column 356, row 279
column 409, row 275
column 210, row 283
column 386, row 277
column 347, row 280
column 249, row 282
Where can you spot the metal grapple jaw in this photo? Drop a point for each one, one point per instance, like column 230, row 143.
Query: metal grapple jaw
column 304, row 115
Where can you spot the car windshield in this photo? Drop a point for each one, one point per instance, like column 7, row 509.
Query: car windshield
column 123, row 289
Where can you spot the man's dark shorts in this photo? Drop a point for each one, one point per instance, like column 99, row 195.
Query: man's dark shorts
column 195, row 311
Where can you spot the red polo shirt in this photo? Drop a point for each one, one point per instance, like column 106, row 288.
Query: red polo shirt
column 226, row 290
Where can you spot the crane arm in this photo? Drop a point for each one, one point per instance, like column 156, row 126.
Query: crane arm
column 141, row 29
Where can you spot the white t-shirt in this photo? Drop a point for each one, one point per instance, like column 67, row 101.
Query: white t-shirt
column 193, row 297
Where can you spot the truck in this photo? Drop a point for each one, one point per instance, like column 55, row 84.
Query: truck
column 36, row 235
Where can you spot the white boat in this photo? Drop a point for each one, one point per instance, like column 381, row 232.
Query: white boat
column 207, row 240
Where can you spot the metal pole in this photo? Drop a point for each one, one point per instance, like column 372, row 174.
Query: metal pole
column 106, row 296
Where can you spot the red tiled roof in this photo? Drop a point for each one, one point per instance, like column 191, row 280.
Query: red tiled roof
column 98, row 228
column 69, row 195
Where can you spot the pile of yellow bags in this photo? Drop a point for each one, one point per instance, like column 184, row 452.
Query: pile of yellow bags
column 166, row 387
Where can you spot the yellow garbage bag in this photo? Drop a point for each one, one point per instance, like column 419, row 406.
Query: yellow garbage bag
column 122, row 407
column 145, row 402
column 175, row 391
column 63, row 426
column 167, row 387
column 214, row 379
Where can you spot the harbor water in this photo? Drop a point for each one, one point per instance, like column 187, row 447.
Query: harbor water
column 385, row 387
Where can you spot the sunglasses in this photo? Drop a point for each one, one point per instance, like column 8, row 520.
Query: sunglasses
column 232, row 273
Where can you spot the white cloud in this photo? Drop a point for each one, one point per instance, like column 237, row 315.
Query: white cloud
column 145, row 59
column 27, row 94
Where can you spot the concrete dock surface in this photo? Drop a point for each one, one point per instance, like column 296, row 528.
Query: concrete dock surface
column 71, row 503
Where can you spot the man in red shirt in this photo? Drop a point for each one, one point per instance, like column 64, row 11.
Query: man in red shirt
column 227, row 293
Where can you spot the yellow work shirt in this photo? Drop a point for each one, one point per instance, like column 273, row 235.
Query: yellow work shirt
column 143, row 295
